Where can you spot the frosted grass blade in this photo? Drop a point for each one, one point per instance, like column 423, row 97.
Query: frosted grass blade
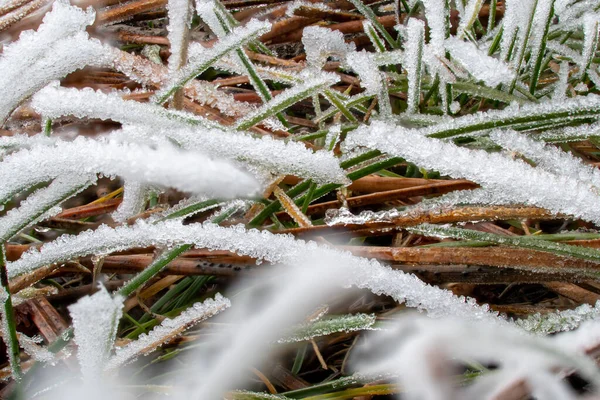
column 467, row 20
column 514, row 241
column 286, row 99
column 525, row 116
column 548, row 157
column 590, row 41
column 187, row 171
column 264, row 153
column 484, row 68
column 414, row 66
column 541, row 25
column 48, row 54
column 197, row 65
column 559, row 321
column 343, row 323
column 514, row 178
column 262, row 245
column 134, row 199
column 54, row 102
column 370, row 15
column 95, row 322
column 42, row 204
column 168, row 329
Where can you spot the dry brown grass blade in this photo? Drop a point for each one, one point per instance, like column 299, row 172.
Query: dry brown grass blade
column 17, row 14
column 125, row 11
column 489, row 256
column 462, row 214
column 45, row 317
column 573, row 292
column 390, row 195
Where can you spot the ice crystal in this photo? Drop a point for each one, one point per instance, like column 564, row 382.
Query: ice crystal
column 95, row 321
column 169, row 166
column 518, row 180
column 484, row 68
column 360, row 272
column 560, row 321
column 168, row 329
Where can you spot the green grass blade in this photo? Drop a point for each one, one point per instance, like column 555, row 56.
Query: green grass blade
column 513, row 241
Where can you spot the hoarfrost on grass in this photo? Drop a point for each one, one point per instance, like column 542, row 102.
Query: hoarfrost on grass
column 262, row 245
column 275, row 156
column 95, row 322
column 518, row 180
column 168, row 329
column 548, row 157
column 185, row 170
column 560, row 321
column 344, row 323
column 484, row 68
column 49, row 53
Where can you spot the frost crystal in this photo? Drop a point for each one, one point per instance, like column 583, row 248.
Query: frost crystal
column 345, row 323
column 95, row 322
column 515, row 178
column 263, row 245
column 561, row 321
column 59, row 46
column 169, row 166
column 484, row 68
column 168, row 329
column 275, row 156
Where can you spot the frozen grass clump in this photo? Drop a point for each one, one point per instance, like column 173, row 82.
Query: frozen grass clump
column 327, row 168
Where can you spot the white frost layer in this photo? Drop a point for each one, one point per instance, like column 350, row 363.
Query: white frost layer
column 515, row 178
column 42, row 204
column 481, row 121
column 59, row 46
column 289, row 97
column 436, row 12
column 320, row 43
column 413, row 62
column 134, row 198
column 54, row 101
column 185, row 170
column 275, row 156
column 262, row 245
column 168, row 328
column 95, row 322
column 483, row 67
column 200, row 61
column 548, row 157
column 180, row 15
column 560, row 321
